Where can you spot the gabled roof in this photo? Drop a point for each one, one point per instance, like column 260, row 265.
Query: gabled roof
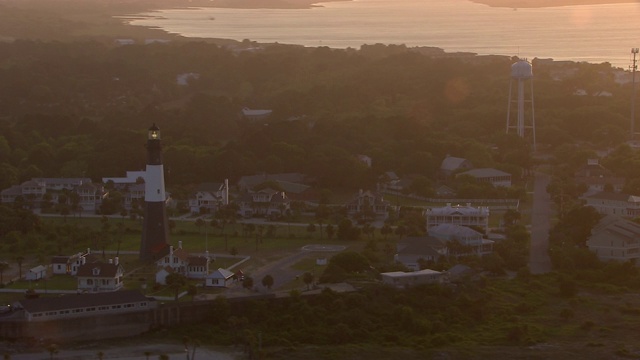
column 484, row 173
column 197, row 261
column 32, row 183
column 181, row 254
column 451, row 163
column 38, row 269
column 81, row 300
column 221, row 274
column 59, row 259
column 613, row 196
column 422, row 245
column 14, row 190
column 104, row 270
column 619, row 227
column 453, row 230
column 458, row 210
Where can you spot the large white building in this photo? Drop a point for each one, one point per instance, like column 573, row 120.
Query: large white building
column 611, row 203
column 615, row 238
column 463, row 215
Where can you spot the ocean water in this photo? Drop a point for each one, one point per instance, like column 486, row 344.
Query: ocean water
column 591, row 33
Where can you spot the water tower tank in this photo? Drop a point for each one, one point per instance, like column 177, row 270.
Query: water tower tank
column 521, row 70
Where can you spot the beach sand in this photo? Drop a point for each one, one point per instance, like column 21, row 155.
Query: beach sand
column 547, row 3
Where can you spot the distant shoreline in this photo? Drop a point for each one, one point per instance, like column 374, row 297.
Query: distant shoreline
column 547, row 3
column 267, row 4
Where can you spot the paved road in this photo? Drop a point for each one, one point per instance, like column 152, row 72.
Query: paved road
column 539, row 261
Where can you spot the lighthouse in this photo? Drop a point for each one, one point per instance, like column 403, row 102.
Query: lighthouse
column 155, row 229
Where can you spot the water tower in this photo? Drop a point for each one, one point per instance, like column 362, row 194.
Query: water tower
column 524, row 123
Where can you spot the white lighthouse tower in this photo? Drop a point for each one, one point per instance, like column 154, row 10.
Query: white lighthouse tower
column 524, row 123
column 155, row 228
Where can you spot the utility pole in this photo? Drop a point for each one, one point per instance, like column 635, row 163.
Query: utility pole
column 634, row 67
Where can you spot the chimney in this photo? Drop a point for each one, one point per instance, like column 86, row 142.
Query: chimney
column 180, row 244
column 116, row 260
column 171, row 250
column 88, row 250
column 110, row 261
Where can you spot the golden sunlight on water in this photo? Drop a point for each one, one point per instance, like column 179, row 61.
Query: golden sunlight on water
column 593, row 33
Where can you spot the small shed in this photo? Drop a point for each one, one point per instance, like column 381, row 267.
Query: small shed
column 37, row 273
column 219, row 278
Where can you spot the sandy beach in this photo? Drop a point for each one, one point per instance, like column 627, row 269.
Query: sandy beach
column 547, row 3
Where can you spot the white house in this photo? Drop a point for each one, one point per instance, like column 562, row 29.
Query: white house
column 615, row 238
column 608, row 203
column 69, row 265
column 219, row 278
column 179, row 260
column 100, row 277
column 267, row 202
column 368, row 204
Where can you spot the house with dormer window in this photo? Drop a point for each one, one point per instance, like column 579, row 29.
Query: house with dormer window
column 68, row 265
column 208, row 197
column 181, row 262
column 100, row 277
column 368, row 206
column 265, row 202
